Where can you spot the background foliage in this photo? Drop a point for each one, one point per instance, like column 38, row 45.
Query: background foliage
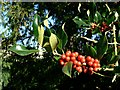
column 26, row 68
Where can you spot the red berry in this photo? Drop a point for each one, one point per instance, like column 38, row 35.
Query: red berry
column 92, row 59
column 90, row 68
column 96, row 61
column 79, row 69
column 72, row 55
column 61, row 62
column 98, row 65
column 95, row 69
column 82, row 60
column 68, row 53
column 80, row 57
column 67, row 59
column 95, row 64
column 75, row 62
column 63, row 56
column 90, row 63
column 85, row 70
column 74, row 66
column 84, row 67
column 76, row 54
column 88, row 58
column 78, row 63
column 73, row 58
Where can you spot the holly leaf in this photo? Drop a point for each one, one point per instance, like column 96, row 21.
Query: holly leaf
column 21, row 50
column 67, row 69
column 41, row 35
column 117, row 69
column 114, row 59
column 62, row 37
column 57, row 57
column 46, row 21
column 89, row 50
column 35, row 25
column 102, row 46
column 53, row 41
column 79, row 22
column 97, row 17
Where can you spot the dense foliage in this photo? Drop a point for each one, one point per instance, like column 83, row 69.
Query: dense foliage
column 35, row 46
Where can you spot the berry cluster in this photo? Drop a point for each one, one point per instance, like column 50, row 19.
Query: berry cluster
column 104, row 26
column 93, row 25
column 80, row 63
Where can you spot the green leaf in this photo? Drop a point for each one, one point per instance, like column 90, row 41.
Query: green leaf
column 41, row 35
column 114, row 59
column 92, row 8
column 35, row 25
column 110, row 18
column 79, row 22
column 57, row 57
column 62, row 37
column 97, row 17
column 67, row 69
column 89, row 50
column 21, row 50
column 117, row 69
column 53, row 41
column 102, row 46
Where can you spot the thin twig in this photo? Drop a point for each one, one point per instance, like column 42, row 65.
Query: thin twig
column 115, row 45
column 89, row 39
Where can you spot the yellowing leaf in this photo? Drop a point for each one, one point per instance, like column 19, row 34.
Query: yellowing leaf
column 67, row 69
column 41, row 34
column 46, row 21
column 53, row 41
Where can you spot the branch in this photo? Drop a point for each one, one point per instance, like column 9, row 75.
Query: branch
column 89, row 39
column 115, row 45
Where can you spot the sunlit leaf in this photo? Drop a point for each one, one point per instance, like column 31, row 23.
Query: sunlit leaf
column 21, row 50
column 46, row 21
column 57, row 57
column 53, row 41
column 67, row 69
column 41, row 35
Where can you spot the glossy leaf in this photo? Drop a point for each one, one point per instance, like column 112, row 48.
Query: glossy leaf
column 53, row 41
column 79, row 21
column 92, row 9
column 35, row 25
column 117, row 69
column 114, row 59
column 21, row 50
column 102, row 46
column 110, row 18
column 62, row 37
column 67, row 69
column 41, row 35
column 97, row 17
column 89, row 50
